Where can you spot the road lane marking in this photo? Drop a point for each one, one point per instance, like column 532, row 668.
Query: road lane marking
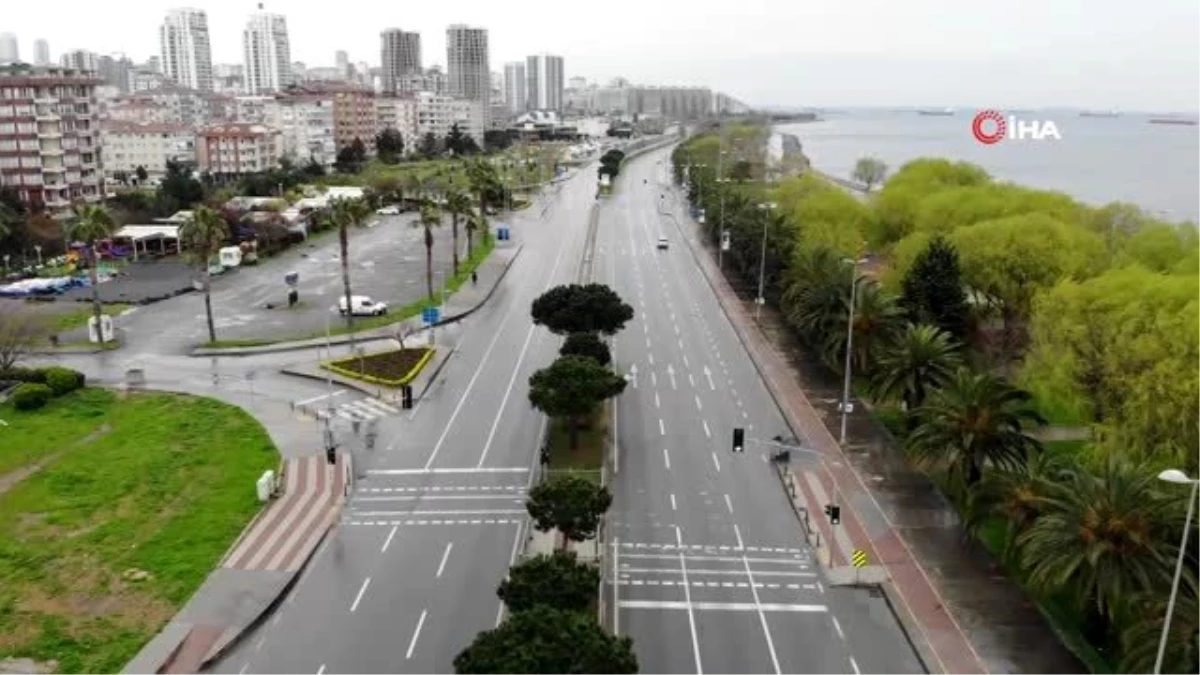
column 691, row 380
column 672, row 501
column 320, row 671
column 647, row 342
column 314, row 399
column 854, row 665
column 465, row 512
column 708, row 375
column 687, row 594
column 445, row 556
column 662, row 429
column 728, row 504
column 246, row 666
column 416, row 634
column 616, row 545
column 418, row 472
column 762, row 617
column 680, row 339
column 507, row 392
column 706, row 431
column 685, row 362
column 455, row 498
column 697, row 397
column 261, row 641
column 653, row 379
column 656, row 402
column 358, row 598
column 838, row 627
column 650, row 358
column 388, row 542
column 716, row 462
column 667, row 459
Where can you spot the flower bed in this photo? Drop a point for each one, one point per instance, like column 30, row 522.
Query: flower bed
column 393, row 368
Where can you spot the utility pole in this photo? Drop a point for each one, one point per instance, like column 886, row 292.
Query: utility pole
column 766, row 208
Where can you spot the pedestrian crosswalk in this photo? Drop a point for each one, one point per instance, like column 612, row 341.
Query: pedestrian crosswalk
column 361, row 410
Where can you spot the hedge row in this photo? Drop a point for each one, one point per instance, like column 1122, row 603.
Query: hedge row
column 39, row 385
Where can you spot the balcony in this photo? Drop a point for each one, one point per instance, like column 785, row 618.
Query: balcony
column 46, row 100
column 58, row 168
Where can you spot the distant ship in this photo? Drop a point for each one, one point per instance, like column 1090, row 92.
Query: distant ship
column 944, row 112
column 1172, row 120
column 1099, row 113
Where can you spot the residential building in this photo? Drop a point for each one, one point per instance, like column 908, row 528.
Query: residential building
column 468, row 64
column 154, row 64
column 116, row 71
column 145, row 80
column 232, row 150
column 307, row 128
column 342, row 61
column 10, row 51
column 186, row 50
column 514, row 87
column 299, row 71
column 577, row 83
column 436, row 113
column 41, row 52
column 399, row 113
column 266, row 53
column 128, row 145
column 400, row 58
column 322, row 74
column 581, row 100
column 724, row 104
column 49, row 140
column 80, row 59
column 496, row 79
column 228, row 78
column 544, row 82
column 353, row 111
column 685, row 103
column 168, row 104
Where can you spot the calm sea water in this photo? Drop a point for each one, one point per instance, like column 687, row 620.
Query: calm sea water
column 1098, row 160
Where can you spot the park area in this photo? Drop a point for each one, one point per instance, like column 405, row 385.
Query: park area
column 113, row 510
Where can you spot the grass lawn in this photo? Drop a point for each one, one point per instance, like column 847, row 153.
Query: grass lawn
column 145, row 482
column 78, row 317
column 588, row 458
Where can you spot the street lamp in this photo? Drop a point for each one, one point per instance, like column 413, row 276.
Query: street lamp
column 1181, row 478
column 724, row 232
column 845, row 407
column 765, row 207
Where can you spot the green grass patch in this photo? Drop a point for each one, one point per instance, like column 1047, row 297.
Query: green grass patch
column 588, row 457
column 78, row 317
column 156, row 482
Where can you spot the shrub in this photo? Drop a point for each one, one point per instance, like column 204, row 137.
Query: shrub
column 586, row 344
column 18, row 374
column 63, row 380
column 31, row 396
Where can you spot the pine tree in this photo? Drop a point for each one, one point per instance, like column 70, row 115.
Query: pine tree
column 933, row 289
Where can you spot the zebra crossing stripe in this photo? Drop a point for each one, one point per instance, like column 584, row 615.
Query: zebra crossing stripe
column 375, row 404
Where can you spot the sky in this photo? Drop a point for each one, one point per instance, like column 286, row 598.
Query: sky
column 1095, row 54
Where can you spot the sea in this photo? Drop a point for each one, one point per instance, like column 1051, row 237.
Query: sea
column 1097, row 159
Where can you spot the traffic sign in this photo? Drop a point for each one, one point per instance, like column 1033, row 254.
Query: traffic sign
column 431, row 315
column 859, row 558
column 503, row 233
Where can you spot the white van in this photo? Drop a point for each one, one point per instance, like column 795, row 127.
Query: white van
column 362, row 305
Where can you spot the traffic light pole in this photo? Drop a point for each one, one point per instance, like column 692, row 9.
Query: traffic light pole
column 833, row 509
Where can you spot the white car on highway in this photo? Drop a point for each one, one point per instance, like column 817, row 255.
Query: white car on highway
column 362, row 305
column 662, row 243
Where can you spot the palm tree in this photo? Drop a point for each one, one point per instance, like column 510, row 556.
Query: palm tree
column 92, row 223
column 1013, row 496
column 816, row 293
column 1110, row 536
column 975, row 420
column 921, row 358
column 1142, row 629
column 431, row 217
column 347, row 213
column 877, row 318
column 457, row 204
column 200, row 237
column 481, row 176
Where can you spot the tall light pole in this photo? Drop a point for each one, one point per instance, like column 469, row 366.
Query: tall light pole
column 845, row 406
column 1179, row 477
column 766, row 208
column 724, row 231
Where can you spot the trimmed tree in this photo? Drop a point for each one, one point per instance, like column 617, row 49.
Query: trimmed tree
column 545, row 640
column 571, row 388
column 570, row 504
column 587, row 308
column 558, row 581
column 869, row 171
column 586, row 345
column 933, row 289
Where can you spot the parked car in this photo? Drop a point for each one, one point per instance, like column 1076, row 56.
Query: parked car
column 662, row 243
column 388, row 211
column 362, row 305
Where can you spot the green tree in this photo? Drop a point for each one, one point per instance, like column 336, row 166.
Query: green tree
column 921, row 359
column 569, row 504
column 1160, row 246
column 430, row 147
column 581, row 308
column 431, row 217
column 933, row 289
column 347, row 213
column 571, row 388
column 1142, row 628
column 1013, row 497
column 141, row 173
column 389, row 145
column 952, row 208
column 817, row 293
column 455, row 140
column 178, row 189
column 975, row 420
column 899, row 200
column 481, row 176
column 545, row 640
column 558, row 581
column 869, row 171
column 457, row 205
column 495, row 140
column 92, row 223
column 202, row 237
column 313, row 169
column 587, row 345
column 876, row 321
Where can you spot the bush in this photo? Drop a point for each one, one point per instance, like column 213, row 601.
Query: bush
column 31, row 396
column 586, row 344
column 18, row 374
column 63, row 380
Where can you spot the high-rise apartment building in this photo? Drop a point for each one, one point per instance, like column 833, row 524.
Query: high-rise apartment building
column 514, row 87
column 400, row 58
column 49, row 136
column 467, row 61
column 41, row 52
column 186, row 50
column 266, row 52
column 341, row 61
column 117, row 71
column 9, row 51
column 544, row 82
column 80, row 59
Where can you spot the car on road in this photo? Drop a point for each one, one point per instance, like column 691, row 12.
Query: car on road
column 362, row 305
column 662, row 243
column 388, row 211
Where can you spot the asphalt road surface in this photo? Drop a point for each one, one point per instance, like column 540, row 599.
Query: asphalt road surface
column 712, row 572
column 409, row 577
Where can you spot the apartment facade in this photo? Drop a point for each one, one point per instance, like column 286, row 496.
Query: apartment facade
column 400, row 59
column 232, row 150
column 307, row 127
column 470, row 75
column 267, row 53
column 170, row 104
column 544, row 82
column 49, row 136
column 129, row 145
column 186, row 50
column 353, row 111
column 515, row 96
column 399, row 113
column 437, row 113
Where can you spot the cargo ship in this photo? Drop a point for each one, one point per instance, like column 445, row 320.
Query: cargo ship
column 944, row 112
column 1173, row 120
column 1099, row 113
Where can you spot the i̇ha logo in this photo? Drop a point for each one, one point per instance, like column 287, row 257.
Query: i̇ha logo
column 990, row 127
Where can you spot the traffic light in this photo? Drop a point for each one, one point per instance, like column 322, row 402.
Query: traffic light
column 739, row 439
column 834, row 512
column 331, row 454
column 406, row 397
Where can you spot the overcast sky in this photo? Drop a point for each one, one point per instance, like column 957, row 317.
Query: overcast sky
column 1142, row 55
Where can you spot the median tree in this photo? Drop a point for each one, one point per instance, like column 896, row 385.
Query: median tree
column 586, row 308
column 869, row 171
column 570, row 504
column 571, row 388
column 546, row 640
column 558, row 581
column 586, row 345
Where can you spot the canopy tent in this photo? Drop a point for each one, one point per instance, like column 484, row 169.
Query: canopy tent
column 142, row 235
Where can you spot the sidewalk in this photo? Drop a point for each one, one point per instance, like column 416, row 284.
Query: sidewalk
column 260, row 567
column 970, row 617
